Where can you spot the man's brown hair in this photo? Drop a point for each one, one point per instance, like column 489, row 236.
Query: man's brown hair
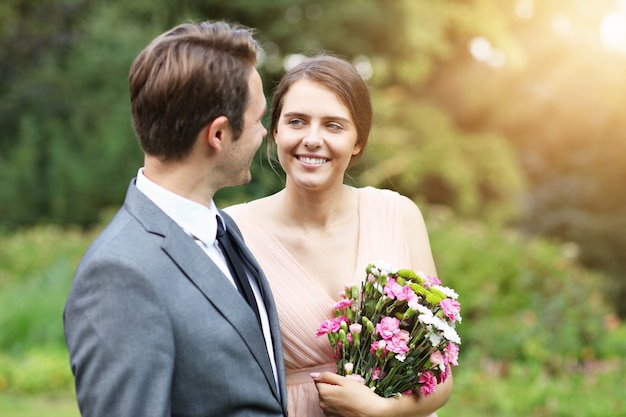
column 184, row 79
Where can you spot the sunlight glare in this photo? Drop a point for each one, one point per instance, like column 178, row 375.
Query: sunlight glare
column 613, row 31
column 480, row 48
column 364, row 67
column 525, row 9
column 562, row 25
column 292, row 60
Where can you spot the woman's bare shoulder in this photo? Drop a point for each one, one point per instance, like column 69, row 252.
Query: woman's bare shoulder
column 260, row 206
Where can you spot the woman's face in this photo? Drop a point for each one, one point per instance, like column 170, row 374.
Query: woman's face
column 315, row 136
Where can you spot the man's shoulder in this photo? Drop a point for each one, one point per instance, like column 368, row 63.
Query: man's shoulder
column 122, row 231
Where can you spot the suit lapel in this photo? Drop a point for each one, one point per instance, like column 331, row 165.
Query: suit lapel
column 270, row 306
column 205, row 275
column 210, row 280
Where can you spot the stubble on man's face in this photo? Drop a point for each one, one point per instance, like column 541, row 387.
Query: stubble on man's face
column 241, row 150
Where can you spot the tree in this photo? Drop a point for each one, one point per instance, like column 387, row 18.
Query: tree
column 559, row 99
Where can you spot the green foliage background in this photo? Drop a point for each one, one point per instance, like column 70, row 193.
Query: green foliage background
column 537, row 142
column 520, row 168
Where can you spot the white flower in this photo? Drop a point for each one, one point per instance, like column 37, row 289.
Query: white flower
column 420, row 308
column 439, row 323
column 379, row 288
column 348, row 367
column 427, row 318
column 449, row 292
column 383, row 268
column 435, row 338
column 449, row 333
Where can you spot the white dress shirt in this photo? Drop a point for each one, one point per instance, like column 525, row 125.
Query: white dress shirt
column 200, row 223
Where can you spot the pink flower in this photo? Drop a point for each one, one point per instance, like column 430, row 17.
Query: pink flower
column 355, row 328
column 407, row 294
column 429, row 281
column 411, row 297
column 330, row 326
column 377, row 374
column 392, row 289
column 451, row 308
column 443, row 375
column 327, row 326
column 451, row 354
column 429, row 383
column 404, row 335
column 397, row 345
column 346, row 302
column 388, row 327
column 378, row 348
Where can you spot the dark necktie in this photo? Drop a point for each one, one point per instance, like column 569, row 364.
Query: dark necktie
column 236, row 262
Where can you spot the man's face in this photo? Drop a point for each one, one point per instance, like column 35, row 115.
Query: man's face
column 240, row 154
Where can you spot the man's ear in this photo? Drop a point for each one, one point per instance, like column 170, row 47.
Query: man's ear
column 217, row 131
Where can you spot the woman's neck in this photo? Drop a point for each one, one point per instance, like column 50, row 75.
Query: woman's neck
column 317, row 209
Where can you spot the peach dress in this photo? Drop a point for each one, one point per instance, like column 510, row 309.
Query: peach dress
column 302, row 304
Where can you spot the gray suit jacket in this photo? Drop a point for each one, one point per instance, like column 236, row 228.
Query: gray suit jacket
column 154, row 328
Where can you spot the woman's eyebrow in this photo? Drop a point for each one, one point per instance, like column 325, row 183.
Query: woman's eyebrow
column 303, row 115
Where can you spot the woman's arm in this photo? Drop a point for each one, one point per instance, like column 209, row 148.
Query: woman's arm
column 417, row 237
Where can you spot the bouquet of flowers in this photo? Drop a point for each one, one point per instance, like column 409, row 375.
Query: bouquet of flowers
column 396, row 334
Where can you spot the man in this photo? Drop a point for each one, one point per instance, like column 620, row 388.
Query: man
column 154, row 322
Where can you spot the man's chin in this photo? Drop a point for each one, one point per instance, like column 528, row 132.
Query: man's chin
column 241, row 181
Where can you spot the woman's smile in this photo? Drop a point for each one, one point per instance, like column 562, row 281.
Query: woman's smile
column 308, row 160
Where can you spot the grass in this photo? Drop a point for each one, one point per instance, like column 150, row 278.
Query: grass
column 38, row 406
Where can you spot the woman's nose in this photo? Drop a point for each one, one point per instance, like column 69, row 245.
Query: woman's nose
column 312, row 139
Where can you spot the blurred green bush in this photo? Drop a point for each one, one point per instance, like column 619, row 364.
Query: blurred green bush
column 523, row 300
column 36, row 270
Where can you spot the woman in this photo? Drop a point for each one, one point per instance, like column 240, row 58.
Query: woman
column 317, row 234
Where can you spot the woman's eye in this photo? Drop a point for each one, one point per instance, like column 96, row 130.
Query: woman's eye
column 334, row 126
column 295, row 122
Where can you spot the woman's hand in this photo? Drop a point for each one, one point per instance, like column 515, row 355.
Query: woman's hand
column 342, row 396
column 345, row 397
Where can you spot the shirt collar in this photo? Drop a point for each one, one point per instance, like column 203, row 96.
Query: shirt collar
column 194, row 218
